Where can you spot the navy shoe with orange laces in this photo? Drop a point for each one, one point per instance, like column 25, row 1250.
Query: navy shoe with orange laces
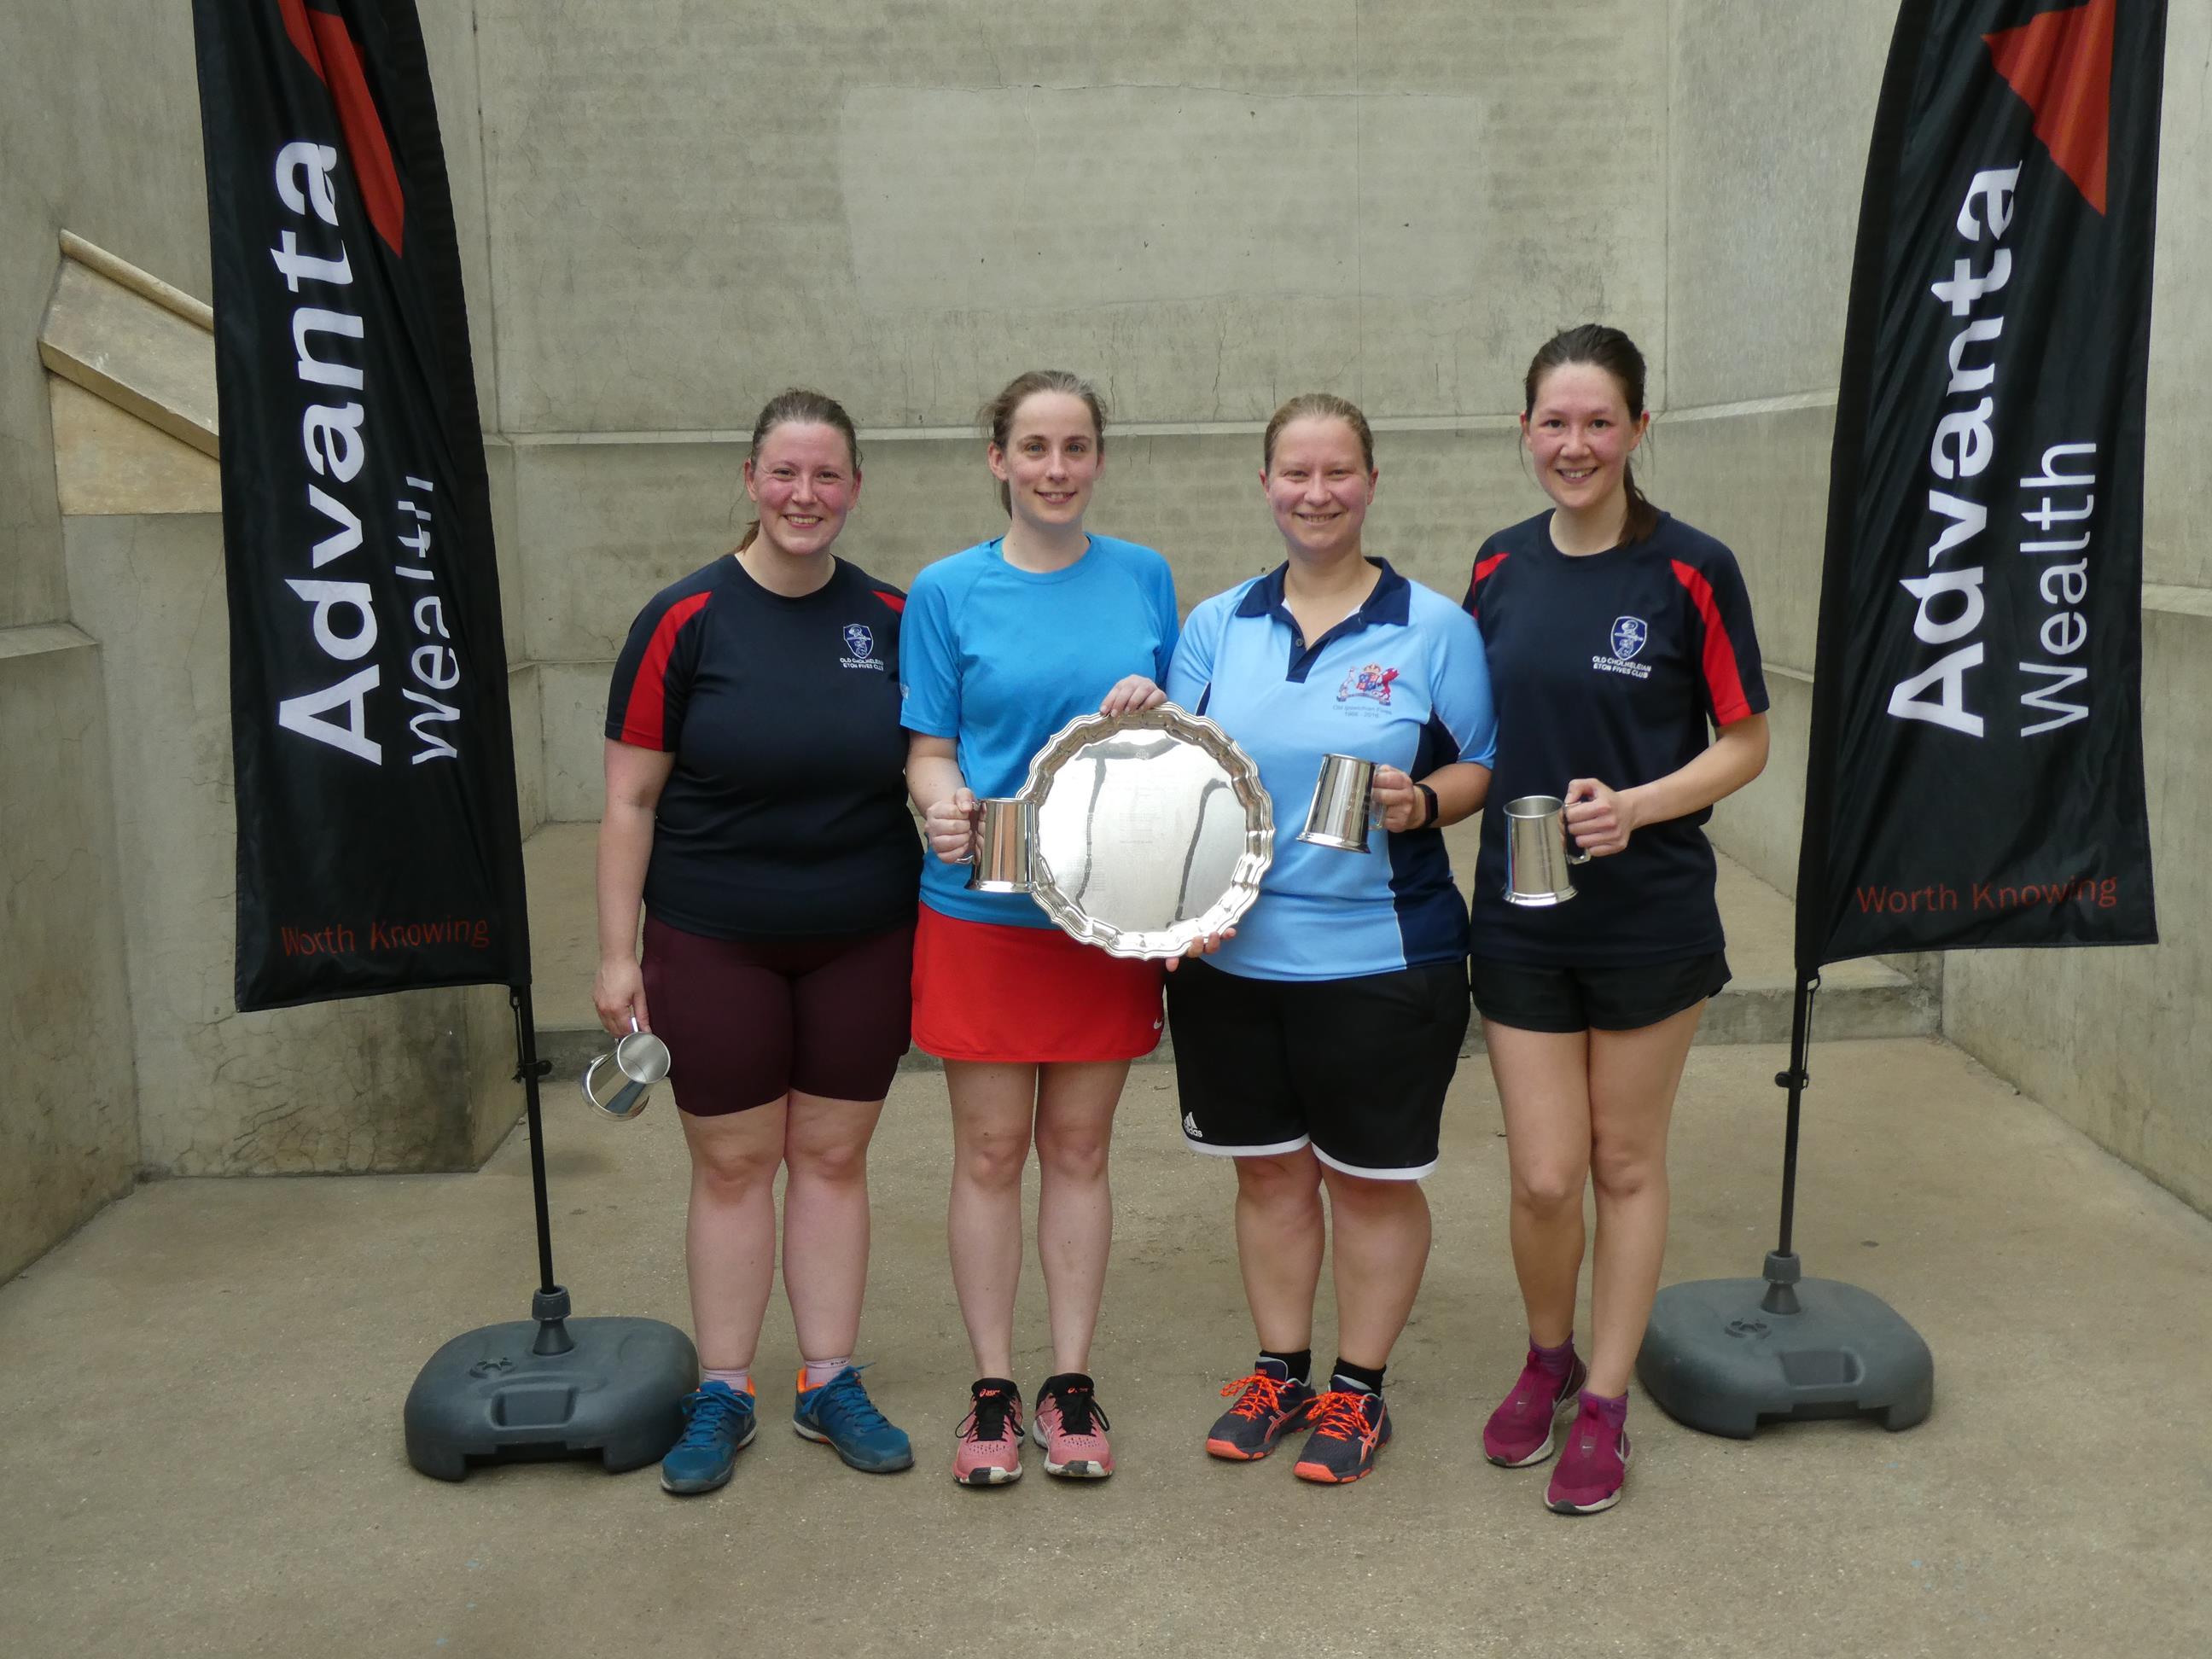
column 1350, row 1427
column 1270, row 1404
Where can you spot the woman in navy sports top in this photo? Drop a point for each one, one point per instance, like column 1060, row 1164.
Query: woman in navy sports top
column 756, row 806
column 1627, row 680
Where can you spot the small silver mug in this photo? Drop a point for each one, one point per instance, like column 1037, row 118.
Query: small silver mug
column 1003, row 830
column 1538, row 852
column 1343, row 808
column 640, row 1060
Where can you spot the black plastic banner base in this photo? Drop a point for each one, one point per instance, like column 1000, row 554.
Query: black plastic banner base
column 1726, row 1355
column 614, row 1392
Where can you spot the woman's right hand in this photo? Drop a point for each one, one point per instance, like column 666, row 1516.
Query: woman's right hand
column 618, row 994
column 950, row 826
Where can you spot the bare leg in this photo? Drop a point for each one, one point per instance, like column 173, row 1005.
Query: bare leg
column 1075, row 1202
column 1544, row 1087
column 1280, row 1230
column 993, row 1107
column 1633, row 1076
column 729, row 1242
column 825, row 1220
column 1381, row 1237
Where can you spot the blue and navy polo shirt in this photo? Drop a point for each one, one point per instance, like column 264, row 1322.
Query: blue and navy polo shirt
column 784, row 813
column 1402, row 682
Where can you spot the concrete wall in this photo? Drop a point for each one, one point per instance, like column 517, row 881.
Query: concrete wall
column 68, row 1125
column 1206, row 207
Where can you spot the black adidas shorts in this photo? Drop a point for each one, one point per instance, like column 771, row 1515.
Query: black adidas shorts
column 1533, row 999
column 1356, row 1068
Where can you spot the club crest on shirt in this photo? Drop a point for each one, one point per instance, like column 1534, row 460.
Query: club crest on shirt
column 1629, row 635
column 860, row 646
column 1371, row 681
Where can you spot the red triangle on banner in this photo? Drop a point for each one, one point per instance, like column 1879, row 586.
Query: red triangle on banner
column 2061, row 64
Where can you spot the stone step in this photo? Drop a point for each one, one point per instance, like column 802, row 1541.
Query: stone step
column 1864, row 999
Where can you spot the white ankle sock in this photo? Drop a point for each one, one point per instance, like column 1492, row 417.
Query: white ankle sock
column 819, row 1371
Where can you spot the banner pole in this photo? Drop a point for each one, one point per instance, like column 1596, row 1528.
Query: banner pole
column 528, row 1069
column 1795, row 1080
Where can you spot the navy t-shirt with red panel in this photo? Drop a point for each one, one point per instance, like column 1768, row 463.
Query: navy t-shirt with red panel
column 1614, row 665
column 785, row 815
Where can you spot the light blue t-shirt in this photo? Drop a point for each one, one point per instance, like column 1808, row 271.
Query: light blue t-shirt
column 1403, row 681
column 999, row 658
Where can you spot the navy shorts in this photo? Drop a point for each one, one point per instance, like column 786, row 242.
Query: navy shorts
column 746, row 1022
column 1530, row 998
column 1356, row 1068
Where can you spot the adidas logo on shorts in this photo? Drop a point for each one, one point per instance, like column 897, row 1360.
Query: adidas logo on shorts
column 1190, row 1127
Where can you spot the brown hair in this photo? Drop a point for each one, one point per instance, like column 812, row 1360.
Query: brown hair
column 997, row 417
column 1610, row 349
column 798, row 406
column 1317, row 406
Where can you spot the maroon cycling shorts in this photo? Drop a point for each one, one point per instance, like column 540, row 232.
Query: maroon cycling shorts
column 747, row 1022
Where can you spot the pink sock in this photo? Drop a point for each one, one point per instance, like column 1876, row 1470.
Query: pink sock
column 740, row 1380
column 1611, row 1410
column 819, row 1371
column 1556, row 1361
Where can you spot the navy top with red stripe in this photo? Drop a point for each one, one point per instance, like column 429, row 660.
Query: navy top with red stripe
column 785, row 815
column 1613, row 666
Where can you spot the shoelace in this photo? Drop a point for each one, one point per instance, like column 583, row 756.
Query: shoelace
column 843, row 1393
column 704, row 1412
column 1076, row 1409
column 987, row 1419
column 1341, row 1415
column 1264, row 1393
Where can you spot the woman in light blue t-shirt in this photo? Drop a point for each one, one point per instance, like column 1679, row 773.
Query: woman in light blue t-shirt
column 1002, row 645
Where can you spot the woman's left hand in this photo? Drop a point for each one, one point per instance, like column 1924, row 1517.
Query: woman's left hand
column 1131, row 694
column 1600, row 819
column 1400, row 804
column 1204, row 947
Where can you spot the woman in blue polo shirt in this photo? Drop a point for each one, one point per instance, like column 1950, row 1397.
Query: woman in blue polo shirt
column 1629, row 684
column 1316, row 1045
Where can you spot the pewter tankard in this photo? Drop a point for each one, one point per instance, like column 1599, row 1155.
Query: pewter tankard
column 1005, row 829
column 1343, row 808
column 640, row 1060
column 1538, row 852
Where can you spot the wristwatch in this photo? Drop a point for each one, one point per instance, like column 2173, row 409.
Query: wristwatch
column 1434, row 811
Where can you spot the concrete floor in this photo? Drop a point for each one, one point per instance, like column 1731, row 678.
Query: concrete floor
column 200, row 1445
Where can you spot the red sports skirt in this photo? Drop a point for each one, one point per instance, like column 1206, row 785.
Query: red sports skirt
column 984, row 991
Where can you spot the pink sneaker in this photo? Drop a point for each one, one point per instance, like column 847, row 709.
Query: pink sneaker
column 1519, row 1432
column 1595, row 1462
column 1072, row 1429
column 990, row 1449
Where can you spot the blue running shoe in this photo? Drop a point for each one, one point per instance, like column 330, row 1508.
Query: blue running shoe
column 718, row 1422
column 841, row 1417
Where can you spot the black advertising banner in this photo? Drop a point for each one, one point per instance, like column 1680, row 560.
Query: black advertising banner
column 1976, row 771
column 378, row 845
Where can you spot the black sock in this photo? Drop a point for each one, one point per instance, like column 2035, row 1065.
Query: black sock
column 1299, row 1366
column 1345, row 1371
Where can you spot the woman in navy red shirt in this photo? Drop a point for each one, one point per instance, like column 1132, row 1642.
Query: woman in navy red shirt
column 1627, row 681
column 756, row 806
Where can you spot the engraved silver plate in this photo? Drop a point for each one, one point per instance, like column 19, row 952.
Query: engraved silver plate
column 1152, row 830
